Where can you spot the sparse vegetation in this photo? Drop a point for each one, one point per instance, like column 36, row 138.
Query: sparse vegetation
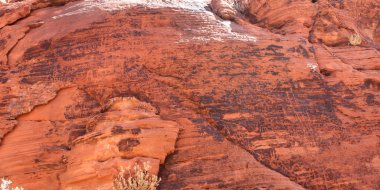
column 5, row 185
column 355, row 39
column 140, row 180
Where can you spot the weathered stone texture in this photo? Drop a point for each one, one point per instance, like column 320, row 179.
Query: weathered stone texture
column 273, row 98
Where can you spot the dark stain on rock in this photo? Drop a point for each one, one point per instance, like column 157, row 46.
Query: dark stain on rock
column 280, row 59
column 45, row 45
column 311, row 49
column 300, row 50
column 371, row 100
column 206, row 99
column 303, row 51
column 274, row 50
column 369, row 83
column 273, row 47
column 136, row 131
column 2, row 43
column 326, row 72
column 58, row 2
column 3, row 80
column 127, row 144
column 117, row 129
column 76, row 133
column 198, row 120
column 212, row 132
column 58, row 147
column 272, row 72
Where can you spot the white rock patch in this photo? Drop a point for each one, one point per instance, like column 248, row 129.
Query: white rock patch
column 214, row 28
column 312, row 66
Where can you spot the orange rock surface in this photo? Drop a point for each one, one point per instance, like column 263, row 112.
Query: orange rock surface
column 215, row 94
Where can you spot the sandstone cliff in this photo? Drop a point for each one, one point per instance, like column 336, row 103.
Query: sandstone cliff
column 221, row 94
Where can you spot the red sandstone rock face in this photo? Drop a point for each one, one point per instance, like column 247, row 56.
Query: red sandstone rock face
column 275, row 99
column 126, row 129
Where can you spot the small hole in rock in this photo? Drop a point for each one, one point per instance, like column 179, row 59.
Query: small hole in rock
column 325, row 72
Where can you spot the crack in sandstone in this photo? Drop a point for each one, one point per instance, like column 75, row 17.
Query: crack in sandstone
column 12, row 128
column 17, row 118
column 20, row 15
column 311, row 35
column 10, row 50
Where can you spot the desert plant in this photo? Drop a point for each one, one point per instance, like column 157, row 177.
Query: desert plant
column 355, row 39
column 5, row 185
column 141, row 180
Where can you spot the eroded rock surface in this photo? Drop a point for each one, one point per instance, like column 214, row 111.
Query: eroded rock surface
column 328, row 21
column 266, row 94
column 128, row 131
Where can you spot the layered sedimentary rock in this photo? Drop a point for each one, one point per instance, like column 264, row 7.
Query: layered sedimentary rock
column 266, row 94
column 328, row 21
column 126, row 132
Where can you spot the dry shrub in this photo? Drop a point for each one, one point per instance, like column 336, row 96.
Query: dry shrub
column 6, row 185
column 141, row 180
column 355, row 39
